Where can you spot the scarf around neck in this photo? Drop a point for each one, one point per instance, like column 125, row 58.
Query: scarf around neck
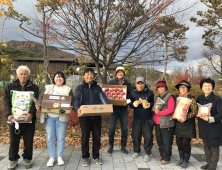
column 183, row 95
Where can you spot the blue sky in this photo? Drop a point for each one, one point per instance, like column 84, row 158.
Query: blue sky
column 194, row 34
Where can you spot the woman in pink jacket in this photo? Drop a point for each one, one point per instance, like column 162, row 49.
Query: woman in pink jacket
column 164, row 126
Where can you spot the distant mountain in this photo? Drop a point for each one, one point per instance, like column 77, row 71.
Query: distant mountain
column 27, row 49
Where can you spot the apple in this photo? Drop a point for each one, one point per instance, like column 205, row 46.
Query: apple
column 120, row 96
column 115, row 95
column 108, row 92
column 123, row 93
column 110, row 95
column 106, row 95
column 118, row 92
column 122, row 99
column 121, row 90
column 106, row 89
column 115, row 89
column 117, row 98
column 111, row 90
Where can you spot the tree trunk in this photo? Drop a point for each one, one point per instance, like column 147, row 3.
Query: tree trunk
column 102, row 78
column 45, row 55
column 166, row 56
column 221, row 65
column 3, row 23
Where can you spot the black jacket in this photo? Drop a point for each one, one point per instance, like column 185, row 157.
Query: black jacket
column 16, row 86
column 125, row 82
column 140, row 112
column 211, row 131
column 187, row 129
column 85, row 95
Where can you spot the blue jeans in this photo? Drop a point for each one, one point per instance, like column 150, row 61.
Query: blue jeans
column 55, row 128
column 122, row 113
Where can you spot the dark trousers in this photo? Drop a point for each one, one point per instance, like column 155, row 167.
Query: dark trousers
column 164, row 139
column 184, row 144
column 212, row 154
column 139, row 128
column 122, row 113
column 27, row 131
column 87, row 126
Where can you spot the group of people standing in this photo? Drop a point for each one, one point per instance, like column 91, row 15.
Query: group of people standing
column 144, row 119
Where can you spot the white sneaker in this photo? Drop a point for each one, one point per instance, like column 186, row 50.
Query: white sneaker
column 60, row 161
column 50, row 162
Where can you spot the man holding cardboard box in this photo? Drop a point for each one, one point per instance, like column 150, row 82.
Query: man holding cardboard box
column 89, row 93
column 119, row 112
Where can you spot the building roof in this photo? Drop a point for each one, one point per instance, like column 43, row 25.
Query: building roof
column 73, row 60
column 41, row 59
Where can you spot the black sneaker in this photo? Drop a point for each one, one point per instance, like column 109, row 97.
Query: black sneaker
column 86, row 162
column 204, row 166
column 13, row 165
column 27, row 163
column 98, row 161
column 124, row 150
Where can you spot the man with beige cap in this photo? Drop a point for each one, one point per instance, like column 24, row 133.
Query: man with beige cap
column 119, row 112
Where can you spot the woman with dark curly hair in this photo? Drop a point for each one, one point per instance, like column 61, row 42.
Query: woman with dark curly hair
column 186, row 130
column 210, row 127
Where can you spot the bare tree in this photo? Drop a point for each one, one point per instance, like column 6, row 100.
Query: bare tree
column 111, row 31
column 212, row 59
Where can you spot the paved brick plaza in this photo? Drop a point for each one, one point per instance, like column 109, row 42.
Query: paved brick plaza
column 118, row 161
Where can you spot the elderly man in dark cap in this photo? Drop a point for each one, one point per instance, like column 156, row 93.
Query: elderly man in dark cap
column 142, row 99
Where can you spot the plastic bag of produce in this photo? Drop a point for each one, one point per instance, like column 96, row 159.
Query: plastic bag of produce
column 181, row 110
column 204, row 110
column 21, row 104
column 158, row 104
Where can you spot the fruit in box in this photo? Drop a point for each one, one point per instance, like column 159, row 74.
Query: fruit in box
column 115, row 93
column 110, row 96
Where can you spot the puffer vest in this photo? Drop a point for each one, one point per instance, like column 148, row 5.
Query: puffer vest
column 165, row 121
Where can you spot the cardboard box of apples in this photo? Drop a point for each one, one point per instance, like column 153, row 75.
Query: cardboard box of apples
column 115, row 93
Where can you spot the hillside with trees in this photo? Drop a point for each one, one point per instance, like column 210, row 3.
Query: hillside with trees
column 28, row 49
